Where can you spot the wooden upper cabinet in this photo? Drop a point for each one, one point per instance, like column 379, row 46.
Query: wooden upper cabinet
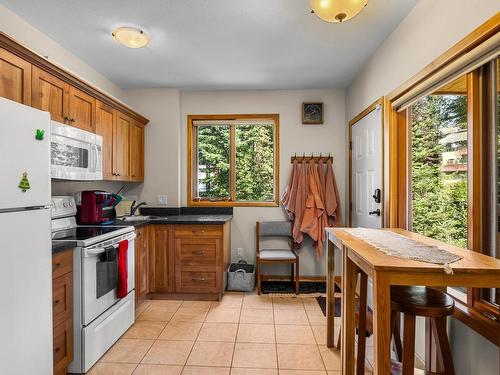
column 136, row 152
column 105, row 120
column 15, row 78
column 81, row 110
column 50, row 94
column 121, row 147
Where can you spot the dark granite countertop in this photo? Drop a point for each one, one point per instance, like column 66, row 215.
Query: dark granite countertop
column 60, row 246
column 178, row 219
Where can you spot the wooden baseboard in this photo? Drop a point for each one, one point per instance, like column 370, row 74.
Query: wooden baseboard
column 186, row 296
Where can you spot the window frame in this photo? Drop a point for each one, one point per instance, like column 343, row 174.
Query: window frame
column 476, row 313
column 191, row 161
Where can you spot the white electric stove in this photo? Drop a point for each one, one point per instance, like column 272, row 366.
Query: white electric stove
column 99, row 316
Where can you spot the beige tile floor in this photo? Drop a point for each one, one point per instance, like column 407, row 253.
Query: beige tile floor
column 244, row 334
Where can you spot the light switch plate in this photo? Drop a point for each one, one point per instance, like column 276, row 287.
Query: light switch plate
column 162, row 199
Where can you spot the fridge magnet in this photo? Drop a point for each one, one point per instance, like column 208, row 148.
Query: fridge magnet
column 312, row 113
column 40, row 133
column 24, row 184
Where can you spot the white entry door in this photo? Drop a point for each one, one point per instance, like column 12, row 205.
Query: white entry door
column 366, row 171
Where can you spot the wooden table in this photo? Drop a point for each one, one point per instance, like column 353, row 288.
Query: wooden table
column 474, row 270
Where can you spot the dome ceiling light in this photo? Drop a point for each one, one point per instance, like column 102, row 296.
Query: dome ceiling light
column 131, row 37
column 337, row 10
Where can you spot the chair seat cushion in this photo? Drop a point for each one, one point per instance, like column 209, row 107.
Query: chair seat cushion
column 277, row 255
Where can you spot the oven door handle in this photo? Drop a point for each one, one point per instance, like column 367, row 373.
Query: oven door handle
column 99, row 250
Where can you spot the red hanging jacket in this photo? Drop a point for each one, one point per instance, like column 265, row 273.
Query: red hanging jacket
column 121, row 288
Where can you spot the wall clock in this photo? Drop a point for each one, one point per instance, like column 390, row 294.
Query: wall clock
column 312, row 113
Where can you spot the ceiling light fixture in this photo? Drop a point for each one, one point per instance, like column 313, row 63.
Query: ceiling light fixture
column 131, row 37
column 337, row 10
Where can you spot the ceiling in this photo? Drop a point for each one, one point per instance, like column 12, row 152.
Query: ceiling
column 217, row 44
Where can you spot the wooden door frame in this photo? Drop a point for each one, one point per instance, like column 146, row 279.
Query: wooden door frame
column 385, row 156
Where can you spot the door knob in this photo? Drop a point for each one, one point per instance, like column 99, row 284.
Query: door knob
column 376, row 212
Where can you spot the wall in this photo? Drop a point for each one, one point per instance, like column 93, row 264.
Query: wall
column 162, row 143
column 294, row 138
column 431, row 28
column 20, row 30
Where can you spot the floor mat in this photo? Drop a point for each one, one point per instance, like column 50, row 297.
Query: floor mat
column 306, row 287
column 322, row 304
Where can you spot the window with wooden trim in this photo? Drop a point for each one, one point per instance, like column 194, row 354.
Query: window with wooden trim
column 445, row 182
column 233, row 160
column 438, row 138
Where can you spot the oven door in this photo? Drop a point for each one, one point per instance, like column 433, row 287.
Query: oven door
column 99, row 276
column 75, row 154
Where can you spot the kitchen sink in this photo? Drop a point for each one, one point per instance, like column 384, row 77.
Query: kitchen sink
column 136, row 218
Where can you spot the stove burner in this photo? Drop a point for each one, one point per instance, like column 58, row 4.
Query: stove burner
column 82, row 233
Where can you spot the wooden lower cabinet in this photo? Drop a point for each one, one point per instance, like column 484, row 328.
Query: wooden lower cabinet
column 62, row 310
column 188, row 260
column 161, row 253
column 141, row 265
column 63, row 346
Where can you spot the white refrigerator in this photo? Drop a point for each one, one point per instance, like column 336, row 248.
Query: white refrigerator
column 25, row 241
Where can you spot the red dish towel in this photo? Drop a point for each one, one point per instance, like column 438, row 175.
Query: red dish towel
column 121, row 289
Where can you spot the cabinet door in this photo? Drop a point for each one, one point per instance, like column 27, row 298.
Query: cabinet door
column 50, row 94
column 62, row 298
column 121, row 147
column 136, row 152
column 15, row 78
column 197, row 265
column 105, row 120
column 63, row 346
column 162, row 278
column 81, row 110
column 141, row 265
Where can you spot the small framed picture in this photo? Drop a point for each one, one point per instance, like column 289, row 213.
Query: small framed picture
column 312, row 113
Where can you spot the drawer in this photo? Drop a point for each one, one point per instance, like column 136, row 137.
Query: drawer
column 196, row 252
column 62, row 263
column 62, row 298
column 197, row 282
column 63, row 346
column 198, row 230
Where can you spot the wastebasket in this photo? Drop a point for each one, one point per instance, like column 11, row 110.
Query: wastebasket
column 241, row 276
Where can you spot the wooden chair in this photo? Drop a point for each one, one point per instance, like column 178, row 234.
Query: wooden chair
column 415, row 301
column 276, row 229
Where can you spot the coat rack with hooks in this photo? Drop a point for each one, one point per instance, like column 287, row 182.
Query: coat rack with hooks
column 306, row 158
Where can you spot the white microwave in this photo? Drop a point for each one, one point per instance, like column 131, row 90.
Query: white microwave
column 75, row 154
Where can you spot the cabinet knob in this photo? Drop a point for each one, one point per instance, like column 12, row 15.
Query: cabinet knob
column 56, row 302
column 198, row 252
column 198, row 279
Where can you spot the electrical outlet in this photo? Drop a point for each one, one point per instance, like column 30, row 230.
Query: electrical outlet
column 239, row 253
column 162, row 199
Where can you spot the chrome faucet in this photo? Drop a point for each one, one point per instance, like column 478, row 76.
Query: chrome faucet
column 133, row 207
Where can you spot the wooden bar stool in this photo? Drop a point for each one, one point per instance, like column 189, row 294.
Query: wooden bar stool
column 415, row 301
column 363, row 322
